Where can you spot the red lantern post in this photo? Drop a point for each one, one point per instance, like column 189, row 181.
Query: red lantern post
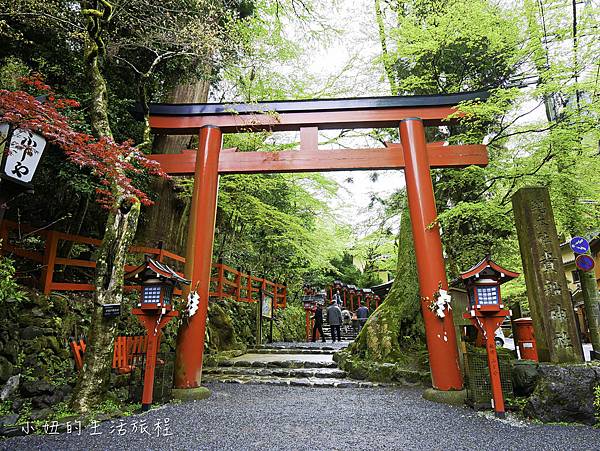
column 487, row 313
column 153, row 323
column 155, row 310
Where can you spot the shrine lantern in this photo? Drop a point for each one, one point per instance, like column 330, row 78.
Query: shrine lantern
column 157, row 282
column 486, row 312
column 22, row 151
column 482, row 283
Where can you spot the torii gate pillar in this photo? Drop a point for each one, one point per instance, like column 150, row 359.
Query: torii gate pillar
column 190, row 339
column 440, row 334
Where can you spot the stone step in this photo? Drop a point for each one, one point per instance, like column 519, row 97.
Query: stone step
column 298, row 382
column 293, row 351
column 277, row 364
column 327, row 346
column 320, row 373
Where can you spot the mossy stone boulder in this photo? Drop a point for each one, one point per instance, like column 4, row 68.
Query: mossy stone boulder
column 6, row 369
column 564, row 393
column 31, row 332
column 51, row 343
column 11, row 351
column 524, row 377
column 220, row 328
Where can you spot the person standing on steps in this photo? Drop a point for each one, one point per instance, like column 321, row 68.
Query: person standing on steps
column 318, row 325
column 334, row 318
column 362, row 313
column 338, row 298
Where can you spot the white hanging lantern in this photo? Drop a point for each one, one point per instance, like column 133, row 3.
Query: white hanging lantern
column 25, row 149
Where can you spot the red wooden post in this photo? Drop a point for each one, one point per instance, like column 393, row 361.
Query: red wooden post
column 77, row 354
column 441, row 338
column 151, row 351
column 491, row 324
column 190, row 339
column 49, row 261
column 238, row 285
column 220, row 277
column 307, row 325
column 153, row 331
column 344, row 291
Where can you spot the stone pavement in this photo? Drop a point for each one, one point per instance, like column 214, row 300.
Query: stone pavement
column 261, row 417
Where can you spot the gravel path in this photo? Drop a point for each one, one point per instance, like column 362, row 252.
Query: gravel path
column 244, row 417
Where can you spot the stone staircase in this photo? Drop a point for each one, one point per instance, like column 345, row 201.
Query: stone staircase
column 348, row 333
column 294, row 364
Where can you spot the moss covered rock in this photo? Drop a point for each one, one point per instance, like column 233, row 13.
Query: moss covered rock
column 232, row 325
column 220, row 328
column 406, row 373
column 564, row 393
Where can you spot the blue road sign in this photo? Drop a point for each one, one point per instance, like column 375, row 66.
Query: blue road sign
column 584, row 262
column 579, row 245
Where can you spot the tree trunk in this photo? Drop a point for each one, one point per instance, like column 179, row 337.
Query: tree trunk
column 110, row 267
column 397, row 324
column 388, row 67
column 112, row 254
column 167, row 219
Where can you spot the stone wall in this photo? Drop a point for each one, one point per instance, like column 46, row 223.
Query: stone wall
column 564, row 393
column 36, row 364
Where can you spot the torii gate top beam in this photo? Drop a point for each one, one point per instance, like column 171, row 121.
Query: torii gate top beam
column 362, row 112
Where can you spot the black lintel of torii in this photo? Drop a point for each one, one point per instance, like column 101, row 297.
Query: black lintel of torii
column 314, row 105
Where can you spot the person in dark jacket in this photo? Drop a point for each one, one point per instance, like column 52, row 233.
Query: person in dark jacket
column 362, row 313
column 334, row 318
column 318, row 324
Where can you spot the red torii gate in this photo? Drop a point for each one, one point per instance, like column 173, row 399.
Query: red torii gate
column 414, row 155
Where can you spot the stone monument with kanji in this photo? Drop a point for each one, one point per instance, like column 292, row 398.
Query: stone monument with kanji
column 547, row 290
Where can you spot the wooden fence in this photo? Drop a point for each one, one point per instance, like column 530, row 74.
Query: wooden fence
column 226, row 282
column 232, row 283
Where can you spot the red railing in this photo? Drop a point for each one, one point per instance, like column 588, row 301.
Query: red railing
column 124, row 350
column 232, row 283
column 226, row 282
